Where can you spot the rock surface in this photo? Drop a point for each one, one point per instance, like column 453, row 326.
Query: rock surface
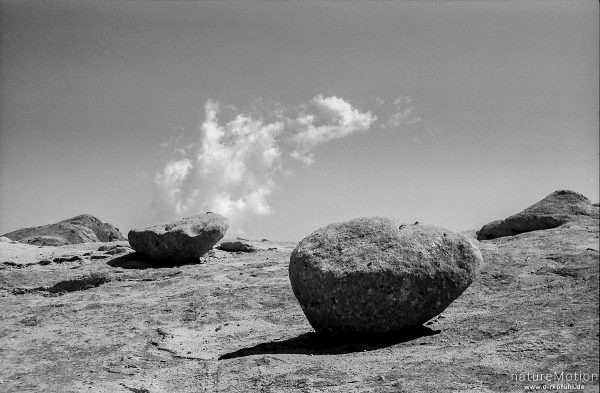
column 181, row 241
column 233, row 325
column 556, row 209
column 374, row 275
column 80, row 229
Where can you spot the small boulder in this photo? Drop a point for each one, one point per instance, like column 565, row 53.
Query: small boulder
column 237, row 246
column 181, row 241
column 375, row 275
column 556, row 209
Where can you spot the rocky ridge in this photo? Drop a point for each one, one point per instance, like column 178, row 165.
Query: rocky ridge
column 84, row 228
column 556, row 209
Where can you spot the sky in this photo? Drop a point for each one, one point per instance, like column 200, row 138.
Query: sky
column 288, row 116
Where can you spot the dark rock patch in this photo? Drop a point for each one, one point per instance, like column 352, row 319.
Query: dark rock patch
column 70, row 258
column 237, row 246
column 79, row 284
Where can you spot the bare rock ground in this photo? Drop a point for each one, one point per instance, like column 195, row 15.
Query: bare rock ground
column 232, row 324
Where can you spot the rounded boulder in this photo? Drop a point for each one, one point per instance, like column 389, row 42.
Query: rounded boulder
column 180, row 241
column 376, row 275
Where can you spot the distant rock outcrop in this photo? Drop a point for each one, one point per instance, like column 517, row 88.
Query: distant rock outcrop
column 80, row 229
column 181, row 241
column 374, row 275
column 556, row 209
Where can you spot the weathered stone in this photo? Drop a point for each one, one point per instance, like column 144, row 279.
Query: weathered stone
column 237, row 246
column 375, row 275
column 181, row 241
column 556, row 209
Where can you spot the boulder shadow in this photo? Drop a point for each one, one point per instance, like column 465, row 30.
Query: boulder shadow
column 137, row 260
column 328, row 344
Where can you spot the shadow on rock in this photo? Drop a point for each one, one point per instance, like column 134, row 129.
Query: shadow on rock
column 324, row 344
column 137, row 260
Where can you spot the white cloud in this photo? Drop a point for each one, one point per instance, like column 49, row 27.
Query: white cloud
column 233, row 166
column 230, row 172
column 323, row 120
column 404, row 112
column 169, row 183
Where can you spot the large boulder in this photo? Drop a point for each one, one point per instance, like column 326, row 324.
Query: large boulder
column 556, row 209
column 375, row 275
column 181, row 241
column 80, row 229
